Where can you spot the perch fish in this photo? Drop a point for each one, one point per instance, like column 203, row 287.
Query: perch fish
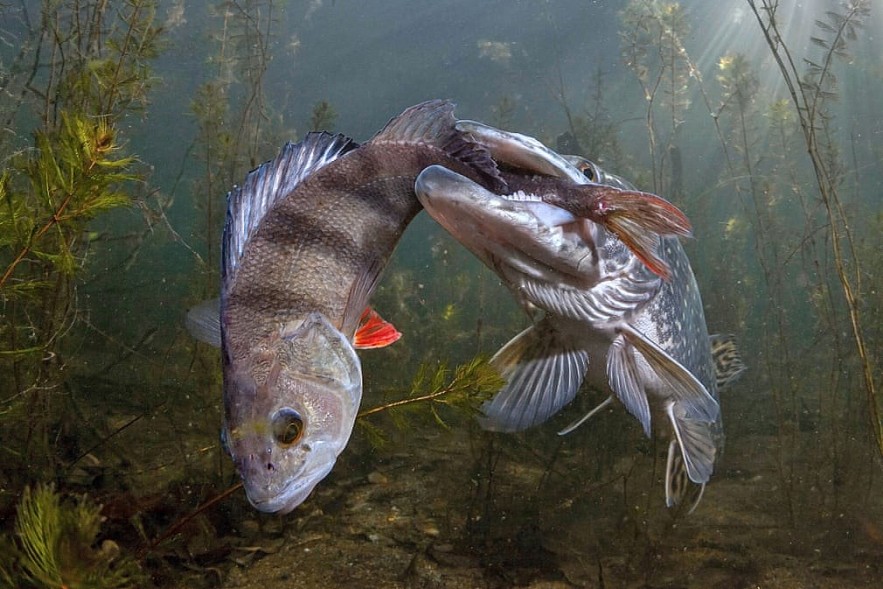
column 306, row 238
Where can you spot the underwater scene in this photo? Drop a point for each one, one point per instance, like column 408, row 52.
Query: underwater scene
column 461, row 340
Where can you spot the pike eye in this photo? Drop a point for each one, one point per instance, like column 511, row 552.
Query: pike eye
column 588, row 171
column 288, row 427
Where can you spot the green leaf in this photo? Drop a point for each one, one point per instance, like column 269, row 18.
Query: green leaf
column 825, row 26
column 106, row 201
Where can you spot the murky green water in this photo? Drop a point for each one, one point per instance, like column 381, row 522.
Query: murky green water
column 104, row 393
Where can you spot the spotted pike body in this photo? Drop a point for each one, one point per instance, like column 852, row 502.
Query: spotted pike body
column 644, row 335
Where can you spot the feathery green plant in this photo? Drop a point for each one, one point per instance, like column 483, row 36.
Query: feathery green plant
column 464, row 391
column 71, row 177
column 82, row 67
column 54, row 546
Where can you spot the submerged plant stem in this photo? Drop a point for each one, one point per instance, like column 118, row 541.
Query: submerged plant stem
column 470, row 384
column 173, row 529
column 807, row 110
column 53, row 220
column 408, row 401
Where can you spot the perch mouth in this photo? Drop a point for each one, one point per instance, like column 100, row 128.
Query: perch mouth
column 271, row 490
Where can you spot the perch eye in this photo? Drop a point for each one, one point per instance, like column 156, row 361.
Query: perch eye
column 288, row 427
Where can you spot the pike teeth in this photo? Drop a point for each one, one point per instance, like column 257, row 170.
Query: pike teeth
column 522, row 196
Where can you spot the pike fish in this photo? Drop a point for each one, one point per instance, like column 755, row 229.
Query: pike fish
column 306, row 238
column 535, row 173
column 631, row 304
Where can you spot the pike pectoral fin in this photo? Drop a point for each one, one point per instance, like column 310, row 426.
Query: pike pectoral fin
column 329, row 355
column 728, row 365
column 204, row 322
column 622, row 375
column 543, row 374
column 374, row 331
column 695, row 440
column 685, row 388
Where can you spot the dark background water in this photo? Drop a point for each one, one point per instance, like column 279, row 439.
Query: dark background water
column 800, row 454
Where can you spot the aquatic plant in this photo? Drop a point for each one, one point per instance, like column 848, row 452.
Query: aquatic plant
column 82, row 67
column 810, row 93
column 503, row 112
column 753, row 183
column 593, row 132
column 323, row 116
column 232, row 115
column 55, row 546
column 463, row 390
column 652, row 49
column 798, row 239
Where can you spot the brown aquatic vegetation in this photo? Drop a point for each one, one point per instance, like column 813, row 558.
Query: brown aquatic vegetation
column 809, row 97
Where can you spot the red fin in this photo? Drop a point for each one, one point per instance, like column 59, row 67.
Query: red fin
column 374, row 331
column 644, row 245
column 639, row 219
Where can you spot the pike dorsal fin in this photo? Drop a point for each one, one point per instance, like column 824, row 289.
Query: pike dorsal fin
column 264, row 186
column 433, row 123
